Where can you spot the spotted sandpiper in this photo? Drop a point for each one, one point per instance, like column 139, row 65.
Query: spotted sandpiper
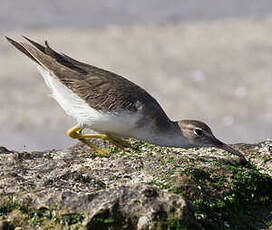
column 111, row 105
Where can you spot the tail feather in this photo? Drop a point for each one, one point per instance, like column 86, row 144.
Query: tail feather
column 45, row 51
column 60, row 57
column 20, row 47
column 37, row 45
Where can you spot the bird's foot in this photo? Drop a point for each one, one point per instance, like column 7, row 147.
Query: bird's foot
column 99, row 151
column 76, row 133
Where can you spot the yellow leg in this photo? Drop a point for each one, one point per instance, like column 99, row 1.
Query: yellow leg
column 95, row 148
column 75, row 133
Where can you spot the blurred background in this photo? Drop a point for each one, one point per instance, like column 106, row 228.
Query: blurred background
column 207, row 60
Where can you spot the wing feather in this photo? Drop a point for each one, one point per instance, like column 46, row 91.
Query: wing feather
column 101, row 89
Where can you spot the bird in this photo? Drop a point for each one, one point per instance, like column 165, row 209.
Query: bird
column 111, row 105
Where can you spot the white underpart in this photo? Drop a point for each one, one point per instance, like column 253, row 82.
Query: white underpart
column 121, row 124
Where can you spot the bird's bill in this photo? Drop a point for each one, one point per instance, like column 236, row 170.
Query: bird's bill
column 229, row 149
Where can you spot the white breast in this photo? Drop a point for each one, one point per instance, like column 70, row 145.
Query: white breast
column 122, row 124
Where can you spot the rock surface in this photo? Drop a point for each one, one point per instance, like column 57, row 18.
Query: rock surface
column 146, row 188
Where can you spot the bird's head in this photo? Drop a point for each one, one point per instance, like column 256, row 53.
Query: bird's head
column 199, row 134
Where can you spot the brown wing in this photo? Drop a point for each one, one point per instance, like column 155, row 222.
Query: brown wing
column 101, row 89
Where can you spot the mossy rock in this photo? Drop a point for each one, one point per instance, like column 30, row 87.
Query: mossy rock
column 149, row 187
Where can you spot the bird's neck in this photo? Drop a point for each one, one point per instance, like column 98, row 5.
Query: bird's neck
column 169, row 135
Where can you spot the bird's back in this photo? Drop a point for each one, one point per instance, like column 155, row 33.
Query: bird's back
column 102, row 90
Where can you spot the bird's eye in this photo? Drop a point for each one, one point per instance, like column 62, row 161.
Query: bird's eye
column 198, row 132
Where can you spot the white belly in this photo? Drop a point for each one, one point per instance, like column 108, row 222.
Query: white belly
column 121, row 124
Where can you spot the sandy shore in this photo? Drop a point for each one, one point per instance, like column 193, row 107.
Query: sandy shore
column 218, row 72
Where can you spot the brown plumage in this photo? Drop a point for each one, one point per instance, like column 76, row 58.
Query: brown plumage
column 101, row 89
column 124, row 109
